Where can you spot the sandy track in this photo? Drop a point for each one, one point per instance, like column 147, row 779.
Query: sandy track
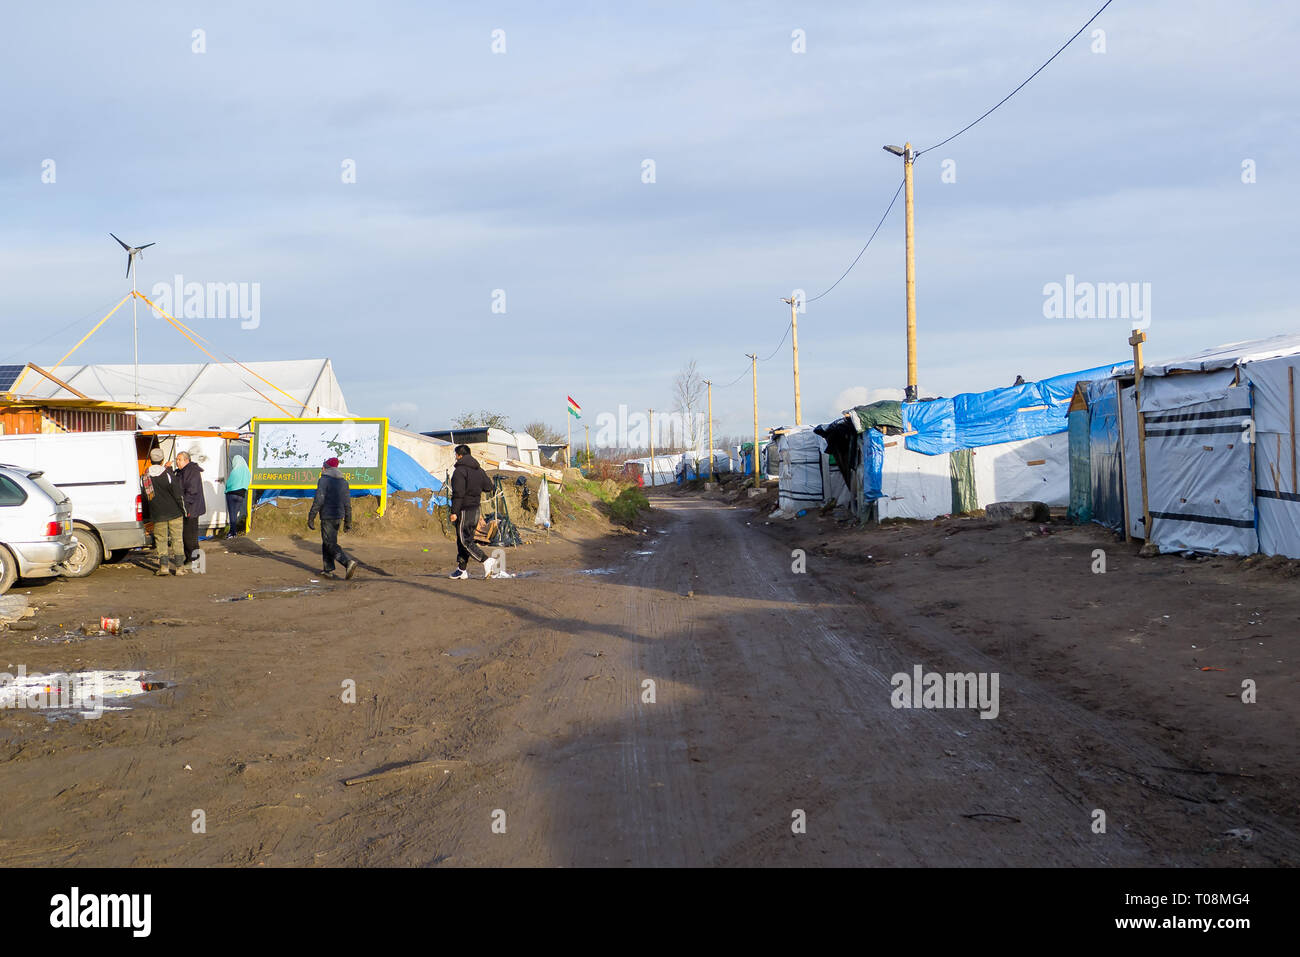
column 771, row 696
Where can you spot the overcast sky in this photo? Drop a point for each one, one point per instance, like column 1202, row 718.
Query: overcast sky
column 522, row 171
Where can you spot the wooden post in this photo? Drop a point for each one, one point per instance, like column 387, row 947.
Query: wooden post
column 652, row 446
column 1136, row 341
column 587, row 430
column 709, row 386
column 753, row 364
column 794, row 333
column 910, row 392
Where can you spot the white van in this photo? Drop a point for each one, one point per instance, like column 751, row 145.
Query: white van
column 100, row 472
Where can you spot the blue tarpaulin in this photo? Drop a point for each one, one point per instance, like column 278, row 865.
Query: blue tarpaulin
column 974, row 419
column 404, row 475
column 873, row 465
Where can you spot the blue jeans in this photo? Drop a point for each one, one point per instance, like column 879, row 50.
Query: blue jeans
column 236, row 509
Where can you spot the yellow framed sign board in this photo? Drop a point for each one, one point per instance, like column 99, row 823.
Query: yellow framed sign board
column 291, row 453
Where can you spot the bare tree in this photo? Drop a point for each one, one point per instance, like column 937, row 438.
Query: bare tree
column 481, row 419
column 544, row 434
column 688, row 399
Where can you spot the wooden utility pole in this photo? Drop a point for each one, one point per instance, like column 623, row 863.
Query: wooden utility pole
column 794, row 334
column 1136, row 341
column 753, row 365
column 905, row 151
column 709, row 386
column 652, row 446
column 911, row 278
column 587, row 430
column 568, row 449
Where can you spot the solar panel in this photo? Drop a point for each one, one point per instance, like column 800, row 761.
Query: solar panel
column 9, row 375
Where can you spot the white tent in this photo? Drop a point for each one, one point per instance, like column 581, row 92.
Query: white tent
column 665, row 469
column 800, row 459
column 1035, row 470
column 220, row 395
column 913, row 485
column 435, row 455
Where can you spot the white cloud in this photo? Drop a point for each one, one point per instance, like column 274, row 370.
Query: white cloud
column 861, row 395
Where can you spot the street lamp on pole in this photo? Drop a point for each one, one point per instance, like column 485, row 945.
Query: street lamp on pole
column 905, row 151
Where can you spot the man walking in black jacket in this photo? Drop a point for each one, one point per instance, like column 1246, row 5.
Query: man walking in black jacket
column 468, row 482
column 333, row 502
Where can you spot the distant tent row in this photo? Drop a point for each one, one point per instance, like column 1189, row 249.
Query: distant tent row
column 937, row 456
column 695, row 465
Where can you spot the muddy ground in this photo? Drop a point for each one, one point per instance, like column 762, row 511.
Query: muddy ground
column 511, row 723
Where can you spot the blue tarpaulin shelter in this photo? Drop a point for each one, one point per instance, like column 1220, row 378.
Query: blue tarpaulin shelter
column 960, row 453
column 973, row 419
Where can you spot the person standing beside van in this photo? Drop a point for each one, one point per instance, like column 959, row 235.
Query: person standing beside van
column 237, row 494
column 162, row 490
column 191, row 476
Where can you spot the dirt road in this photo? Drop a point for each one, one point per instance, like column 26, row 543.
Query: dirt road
column 680, row 697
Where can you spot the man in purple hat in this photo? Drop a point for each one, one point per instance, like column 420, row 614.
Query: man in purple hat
column 333, row 502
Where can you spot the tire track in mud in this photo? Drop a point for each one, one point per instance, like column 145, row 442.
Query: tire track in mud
column 863, row 758
column 1044, row 739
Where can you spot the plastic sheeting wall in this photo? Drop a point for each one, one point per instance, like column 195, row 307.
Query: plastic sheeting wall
column 913, row 485
column 1105, row 455
column 1277, row 500
column 800, row 469
column 1035, row 470
column 1132, row 464
column 1080, row 469
column 1199, row 488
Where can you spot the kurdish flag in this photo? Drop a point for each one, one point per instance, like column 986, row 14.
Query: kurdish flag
column 575, row 410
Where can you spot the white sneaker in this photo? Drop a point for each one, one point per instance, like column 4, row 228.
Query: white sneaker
column 490, row 568
column 459, row 573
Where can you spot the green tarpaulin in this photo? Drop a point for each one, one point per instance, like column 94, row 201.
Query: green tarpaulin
column 887, row 412
column 962, row 467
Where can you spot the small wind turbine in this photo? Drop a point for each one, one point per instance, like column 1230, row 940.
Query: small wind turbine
column 131, row 253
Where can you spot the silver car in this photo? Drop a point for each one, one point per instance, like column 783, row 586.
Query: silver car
column 35, row 526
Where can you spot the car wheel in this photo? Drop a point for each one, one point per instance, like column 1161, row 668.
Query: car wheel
column 88, row 555
column 8, row 569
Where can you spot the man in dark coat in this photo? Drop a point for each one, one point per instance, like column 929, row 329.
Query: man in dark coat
column 468, row 483
column 333, row 502
column 191, row 476
column 166, row 509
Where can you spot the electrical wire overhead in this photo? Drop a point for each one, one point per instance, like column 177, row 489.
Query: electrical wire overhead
column 1099, row 12
column 915, row 155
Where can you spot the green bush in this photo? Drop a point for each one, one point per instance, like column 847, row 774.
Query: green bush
column 625, row 507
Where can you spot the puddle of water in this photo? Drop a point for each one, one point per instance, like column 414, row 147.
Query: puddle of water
column 647, row 552
column 67, row 637
column 276, row 592
column 76, row 694
column 597, row 571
